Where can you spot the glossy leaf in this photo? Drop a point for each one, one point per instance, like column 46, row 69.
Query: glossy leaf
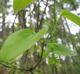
column 18, row 42
column 18, row 5
column 72, row 17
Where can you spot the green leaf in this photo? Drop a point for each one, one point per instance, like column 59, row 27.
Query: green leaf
column 72, row 17
column 18, row 42
column 54, row 61
column 60, row 49
column 0, row 6
column 18, row 5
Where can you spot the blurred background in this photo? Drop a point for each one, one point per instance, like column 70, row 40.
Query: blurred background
column 61, row 30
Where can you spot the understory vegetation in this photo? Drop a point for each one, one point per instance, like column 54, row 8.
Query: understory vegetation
column 39, row 37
